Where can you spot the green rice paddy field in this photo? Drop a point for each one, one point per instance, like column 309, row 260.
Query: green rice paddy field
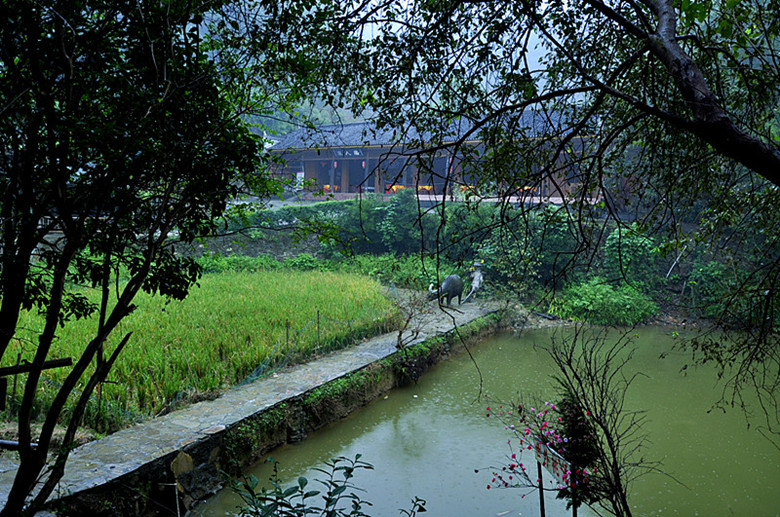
column 235, row 326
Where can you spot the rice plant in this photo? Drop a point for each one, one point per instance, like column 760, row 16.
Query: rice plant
column 233, row 327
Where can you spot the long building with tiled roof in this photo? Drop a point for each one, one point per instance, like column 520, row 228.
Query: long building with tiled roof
column 361, row 158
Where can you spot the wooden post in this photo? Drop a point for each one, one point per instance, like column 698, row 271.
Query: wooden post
column 27, row 367
column 541, row 487
column 364, row 183
column 332, row 176
column 3, row 392
column 345, row 164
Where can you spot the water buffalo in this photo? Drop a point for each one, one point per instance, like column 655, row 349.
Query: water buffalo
column 450, row 288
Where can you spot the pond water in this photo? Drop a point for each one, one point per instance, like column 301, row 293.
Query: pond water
column 427, row 439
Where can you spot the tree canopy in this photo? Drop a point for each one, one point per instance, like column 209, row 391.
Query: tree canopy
column 659, row 112
column 121, row 133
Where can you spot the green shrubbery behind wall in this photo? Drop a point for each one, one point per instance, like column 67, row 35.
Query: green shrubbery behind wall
column 610, row 274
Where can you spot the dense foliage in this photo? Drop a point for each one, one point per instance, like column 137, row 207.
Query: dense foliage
column 120, row 130
column 652, row 110
column 519, row 265
column 597, row 302
column 630, row 257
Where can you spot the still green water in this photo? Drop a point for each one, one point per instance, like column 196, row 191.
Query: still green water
column 427, row 439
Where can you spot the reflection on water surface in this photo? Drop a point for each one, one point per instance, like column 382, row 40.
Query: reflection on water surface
column 427, row 439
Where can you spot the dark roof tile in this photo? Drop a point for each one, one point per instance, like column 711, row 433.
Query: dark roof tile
column 363, row 134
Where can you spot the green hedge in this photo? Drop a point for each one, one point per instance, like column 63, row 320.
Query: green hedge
column 597, row 302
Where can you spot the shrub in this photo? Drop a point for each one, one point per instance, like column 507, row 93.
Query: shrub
column 597, row 302
column 307, row 262
column 530, row 249
column 357, row 227
column 629, row 256
column 236, row 263
column 404, row 227
column 417, row 272
column 732, row 297
column 710, row 283
column 379, row 267
column 511, row 267
column 466, row 228
column 408, row 271
column 338, row 494
column 553, row 243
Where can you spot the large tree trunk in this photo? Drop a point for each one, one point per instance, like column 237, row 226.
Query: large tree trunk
column 708, row 121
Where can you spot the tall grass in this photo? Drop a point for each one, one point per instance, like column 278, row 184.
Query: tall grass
column 236, row 325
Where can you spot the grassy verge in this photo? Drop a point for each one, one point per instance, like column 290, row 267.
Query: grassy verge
column 235, row 326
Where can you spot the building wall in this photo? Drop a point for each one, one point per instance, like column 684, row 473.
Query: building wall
column 382, row 170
